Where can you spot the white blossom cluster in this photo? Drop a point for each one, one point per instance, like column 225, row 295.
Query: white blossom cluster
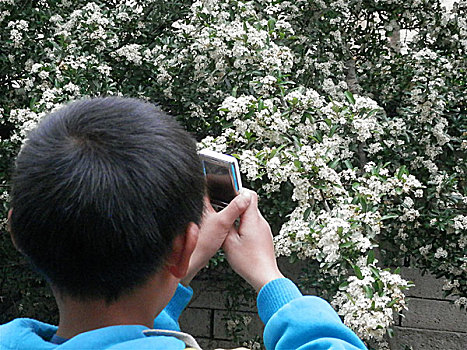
column 238, row 39
column 305, row 161
column 367, row 312
column 4, row 197
column 342, row 227
column 322, row 237
column 83, row 26
column 18, row 29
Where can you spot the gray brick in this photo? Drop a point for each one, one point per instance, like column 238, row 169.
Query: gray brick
column 422, row 339
column 196, row 322
column 209, row 344
column 252, row 330
column 426, row 286
column 434, row 314
column 206, row 295
column 214, row 296
column 211, row 292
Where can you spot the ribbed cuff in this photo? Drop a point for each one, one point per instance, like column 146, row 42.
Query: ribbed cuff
column 179, row 301
column 274, row 295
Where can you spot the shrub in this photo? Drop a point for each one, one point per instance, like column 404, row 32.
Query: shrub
column 353, row 136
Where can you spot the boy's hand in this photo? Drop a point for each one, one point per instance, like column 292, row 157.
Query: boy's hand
column 215, row 226
column 250, row 249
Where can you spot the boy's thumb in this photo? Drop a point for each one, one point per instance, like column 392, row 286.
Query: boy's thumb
column 236, row 207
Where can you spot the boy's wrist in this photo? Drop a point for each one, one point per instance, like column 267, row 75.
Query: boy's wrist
column 259, row 283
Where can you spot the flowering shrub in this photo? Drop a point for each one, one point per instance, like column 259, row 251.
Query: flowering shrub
column 354, row 137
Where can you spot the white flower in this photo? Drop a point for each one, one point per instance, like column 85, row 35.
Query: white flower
column 71, row 88
column 131, row 53
column 236, row 107
column 356, row 306
column 441, row 253
column 43, row 74
column 104, row 69
column 426, row 249
column 36, row 67
column 449, row 285
column 460, row 223
column 17, row 31
column 249, row 164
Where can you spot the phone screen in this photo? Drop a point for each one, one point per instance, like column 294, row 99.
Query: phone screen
column 221, row 182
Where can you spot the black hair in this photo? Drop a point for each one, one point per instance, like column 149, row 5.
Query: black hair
column 100, row 189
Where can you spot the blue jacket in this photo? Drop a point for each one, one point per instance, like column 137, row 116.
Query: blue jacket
column 293, row 321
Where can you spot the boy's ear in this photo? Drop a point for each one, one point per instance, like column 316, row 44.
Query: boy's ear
column 10, row 213
column 8, row 227
column 183, row 246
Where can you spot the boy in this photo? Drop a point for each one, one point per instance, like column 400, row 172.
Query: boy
column 108, row 204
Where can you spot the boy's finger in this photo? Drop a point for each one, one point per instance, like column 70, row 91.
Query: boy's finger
column 236, row 207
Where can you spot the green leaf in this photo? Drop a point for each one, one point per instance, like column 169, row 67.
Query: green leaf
column 346, row 244
column 373, row 111
column 32, row 103
column 364, row 204
column 358, row 272
column 371, row 257
column 271, row 24
column 348, row 164
column 350, row 298
column 389, row 216
column 260, row 105
column 375, row 272
column 336, row 108
column 343, row 285
column 334, row 163
column 333, row 130
column 368, row 291
column 402, row 170
column 296, row 142
column 260, row 175
column 349, row 97
column 307, row 213
column 380, row 288
column 319, row 136
column 393, row 302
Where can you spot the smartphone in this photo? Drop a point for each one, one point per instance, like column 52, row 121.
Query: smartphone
column 222, row 177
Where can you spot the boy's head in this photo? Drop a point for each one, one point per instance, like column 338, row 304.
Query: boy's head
column 100, row 189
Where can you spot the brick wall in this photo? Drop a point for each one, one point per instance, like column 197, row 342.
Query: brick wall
column 206, row 316
column 431, row 323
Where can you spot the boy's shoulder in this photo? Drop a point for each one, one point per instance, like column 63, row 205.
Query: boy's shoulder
column 25, row 333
